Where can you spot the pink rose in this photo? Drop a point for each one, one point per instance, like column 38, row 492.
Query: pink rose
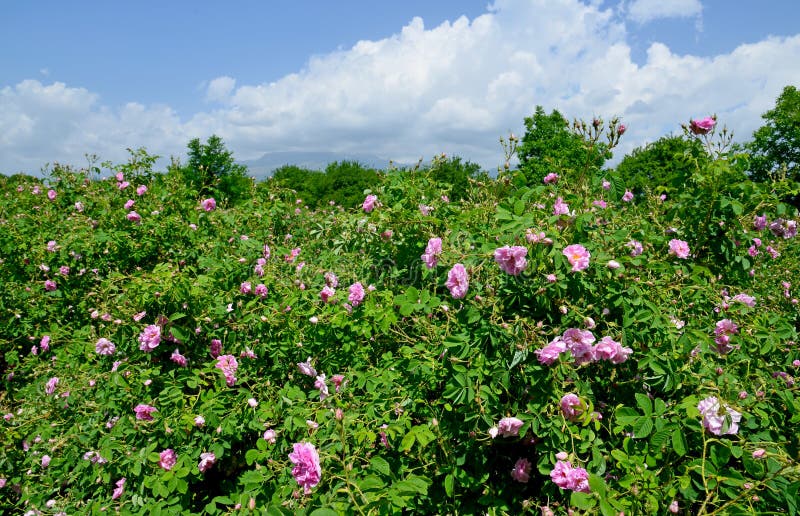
column 307, row 470
column 702, row 126
column 457, row 281
column 578, row 257
column 369, row 203
column 167, row 459
column 679, row 248
column 511, row 259
column 522, row 471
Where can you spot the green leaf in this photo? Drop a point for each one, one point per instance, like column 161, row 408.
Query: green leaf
column 408, row 441
column 719, row 455
column 251, row 456
column 449, row 484
column 323, row 511
column 626, row 415
column 412, row 484
column 582, row 501
column 644, row 403
column 642, row 427
column 679, row 442
column 597, row 485
column 380, row 465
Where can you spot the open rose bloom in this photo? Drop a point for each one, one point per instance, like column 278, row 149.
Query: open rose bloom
column 702, row 126
column 307, row 470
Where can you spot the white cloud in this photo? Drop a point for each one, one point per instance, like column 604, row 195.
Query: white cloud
column 643, row 11
column 55, row 123
column 452, row 88
column 220, row 88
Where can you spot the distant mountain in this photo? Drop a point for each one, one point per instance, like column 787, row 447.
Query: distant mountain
column 264, row 166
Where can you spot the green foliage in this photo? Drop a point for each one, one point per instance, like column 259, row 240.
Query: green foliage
column 342, row 182
column 455, row 174
column 550, row 146
column 663, row 166
column 776, row 144
column 212, row 172
column 407, row 427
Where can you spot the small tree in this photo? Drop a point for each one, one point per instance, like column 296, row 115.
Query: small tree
column 454, row 172
column 777, row 143
column 663, row 165
column 550, row 146
column 211, row 170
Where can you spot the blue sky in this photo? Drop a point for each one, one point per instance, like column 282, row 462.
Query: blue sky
column 401, row 80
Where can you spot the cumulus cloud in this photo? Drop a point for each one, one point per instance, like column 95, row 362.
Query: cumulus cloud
column 453, row 88
column 220, row 88
column 42, row 124
column 643, row 11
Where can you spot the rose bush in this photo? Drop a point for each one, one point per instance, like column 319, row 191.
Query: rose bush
column 511, row 369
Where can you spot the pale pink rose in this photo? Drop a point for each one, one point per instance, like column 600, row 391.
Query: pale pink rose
column 167, row 459
column 580, row 344
column 635, row 247
column 207, row 460
column 578, row 257
column 270, row 436
column 50, row 386
column 627, row 196
column 119, row 489
column 522, row 471
column 457, row 281
column 150, row 338
column 511, row 259
column 356, row 294
column 307, row 470
column 209, row 204
column 571, row 407
column 228, row 365
column 337, row 380
column 703, row 125
column 306, row 368
column 560, row 207
column 509, row 426
column 179, row 359
column 369, row 203
column 144, row 412
column 320, row 384
column 717, row 418
column 432, row 252
column 331, row 280
column 105, row 347
column 327, row 294
column 679, row 248
column 549, row 354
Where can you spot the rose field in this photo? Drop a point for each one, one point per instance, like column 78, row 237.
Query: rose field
column 553, row 338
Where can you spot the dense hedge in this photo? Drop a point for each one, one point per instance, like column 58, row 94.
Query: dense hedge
column 611, row 353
